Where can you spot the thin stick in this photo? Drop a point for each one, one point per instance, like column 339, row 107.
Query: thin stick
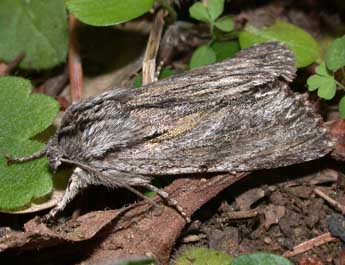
column 308, row 245
column 54, row 86
column 331, row 201
column 74, row 62
column 149, row 62
column 5, row 69
column 242, row 214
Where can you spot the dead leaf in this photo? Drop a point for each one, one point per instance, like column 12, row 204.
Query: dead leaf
column 135, row 231
column 273, row 213
column 246, row 199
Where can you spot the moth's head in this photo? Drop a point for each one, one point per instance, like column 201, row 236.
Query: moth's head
column 54, row 154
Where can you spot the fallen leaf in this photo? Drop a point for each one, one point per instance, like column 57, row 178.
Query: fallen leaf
column 273, row 213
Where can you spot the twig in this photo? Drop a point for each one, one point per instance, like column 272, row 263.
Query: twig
column 54, row 86
column 5, row 69
column 149, row 62
column 242, row 214
column 309, row 244
column 74, row 62
column 331, row 201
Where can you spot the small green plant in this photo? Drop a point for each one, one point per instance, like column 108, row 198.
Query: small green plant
column 325, row 80
column 261, row 258
column 206, row 256
column 108, row 12
column 39, row 28
column 213, row 51
column 22, row 116
column 203, row 256
column 305, row 48
column 36, row 28
column 210, row 14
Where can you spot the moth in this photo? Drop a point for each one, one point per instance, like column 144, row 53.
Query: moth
column 234, row 116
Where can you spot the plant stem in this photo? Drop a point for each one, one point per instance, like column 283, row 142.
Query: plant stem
column 212, row 31
column 340, row 84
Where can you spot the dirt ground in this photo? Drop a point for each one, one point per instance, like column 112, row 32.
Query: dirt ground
column 282, row 211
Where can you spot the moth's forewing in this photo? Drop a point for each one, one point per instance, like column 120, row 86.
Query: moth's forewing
column 237, row 115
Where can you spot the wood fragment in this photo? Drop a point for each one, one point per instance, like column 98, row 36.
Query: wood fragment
column 6, row 68
column 55, row 85
column 149, row 63
column 192, row 238
column 331, row 201
column 309, row 244
column 242, row 214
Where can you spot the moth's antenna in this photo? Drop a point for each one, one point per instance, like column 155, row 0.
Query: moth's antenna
column 13, row 159
column 116, row 181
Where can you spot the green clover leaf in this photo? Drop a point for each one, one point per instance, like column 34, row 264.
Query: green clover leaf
column 225, row 49
column 215, row 8
column 202, row 255
column 323, row 81
column 22, row 116
column 261, row 258
column 37, row 28
column 303, row 45
column 199, row 12
column 335, row 55
column 203, row 55
column 225, row 24
column 108, row 12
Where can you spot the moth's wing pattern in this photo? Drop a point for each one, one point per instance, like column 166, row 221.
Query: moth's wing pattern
column 237, row 115
column 258, row 65
column 97, row 125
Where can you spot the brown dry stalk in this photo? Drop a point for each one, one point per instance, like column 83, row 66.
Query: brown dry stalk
column 6, row 68
column 74, row 62
column 331, row 201
column 149, row 62
column 309, row 244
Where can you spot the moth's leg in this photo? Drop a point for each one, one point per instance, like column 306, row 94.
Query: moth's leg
column 76, row 183
column 171, row 202
column 13, row 159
